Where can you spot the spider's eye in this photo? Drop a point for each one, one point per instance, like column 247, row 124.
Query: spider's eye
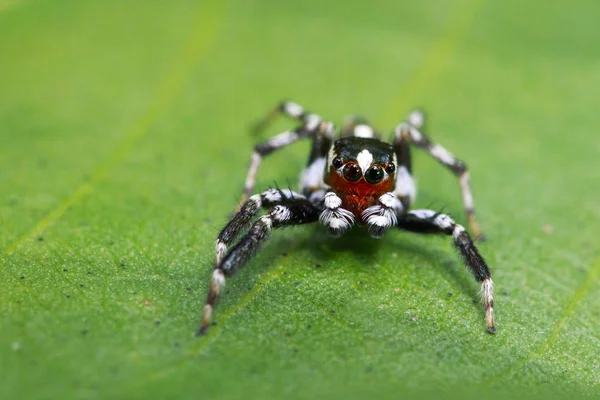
column 374, row 175
column 352, row 172
column 390, row 168
column 337, row 162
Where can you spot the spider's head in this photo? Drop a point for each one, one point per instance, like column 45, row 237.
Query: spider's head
column 358, row 161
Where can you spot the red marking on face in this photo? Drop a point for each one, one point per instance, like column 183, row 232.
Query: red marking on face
column 360, row 195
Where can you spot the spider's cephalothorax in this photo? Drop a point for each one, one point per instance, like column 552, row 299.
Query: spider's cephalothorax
column 361, row 170
column 356, row 179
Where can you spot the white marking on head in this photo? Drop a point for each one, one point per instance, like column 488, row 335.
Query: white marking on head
column 442, row 154
column 363, row 131
column 364, row 158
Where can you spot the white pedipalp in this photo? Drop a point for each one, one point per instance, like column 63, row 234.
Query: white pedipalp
column 333, row 216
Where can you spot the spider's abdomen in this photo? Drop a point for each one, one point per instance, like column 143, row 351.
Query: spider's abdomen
column 360, row 195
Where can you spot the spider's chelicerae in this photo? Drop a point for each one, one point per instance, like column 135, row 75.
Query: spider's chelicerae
column 353, row 179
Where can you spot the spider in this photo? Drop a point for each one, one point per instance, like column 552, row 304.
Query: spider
column 354, row 179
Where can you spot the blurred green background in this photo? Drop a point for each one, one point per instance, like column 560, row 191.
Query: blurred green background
column 124, row 145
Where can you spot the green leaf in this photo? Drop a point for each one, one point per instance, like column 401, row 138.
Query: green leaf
column 124, row 146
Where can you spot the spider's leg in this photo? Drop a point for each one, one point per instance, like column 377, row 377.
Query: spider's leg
column 356, row 125
column 429, row 221
column 406, row 189
column 293, row 212
column 287, row 108
column 312, row 177
column 313, row 127
column 410, row 131
column 383, row 215
column 241, row 220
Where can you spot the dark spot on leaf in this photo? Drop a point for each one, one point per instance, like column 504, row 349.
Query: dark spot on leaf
column 318, row 266
column 84, row 332
column 308, row 326
column 156, row 322
column 449, row 294
column 505, row 293
column 89, row 272
column 295, row 350
column 227, row 291
column 68, row 296
column 360, row 282
column 81, row 285
column 22, row 277
column 40, row 239
column 65, row 270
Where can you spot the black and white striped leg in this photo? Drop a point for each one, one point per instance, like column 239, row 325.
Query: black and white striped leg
column 312, row 126
column 383, row 215
column 293, row 212
column 429, row 221
column 287, row 108
column 411, row 131
column 406, row 190
column 241, row 220
column 336, row 219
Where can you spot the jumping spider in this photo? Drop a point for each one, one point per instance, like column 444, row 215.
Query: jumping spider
column 356, row 178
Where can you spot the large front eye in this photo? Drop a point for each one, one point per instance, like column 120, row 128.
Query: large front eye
column 352, row 172
column 374, row 174
column 337, row 162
